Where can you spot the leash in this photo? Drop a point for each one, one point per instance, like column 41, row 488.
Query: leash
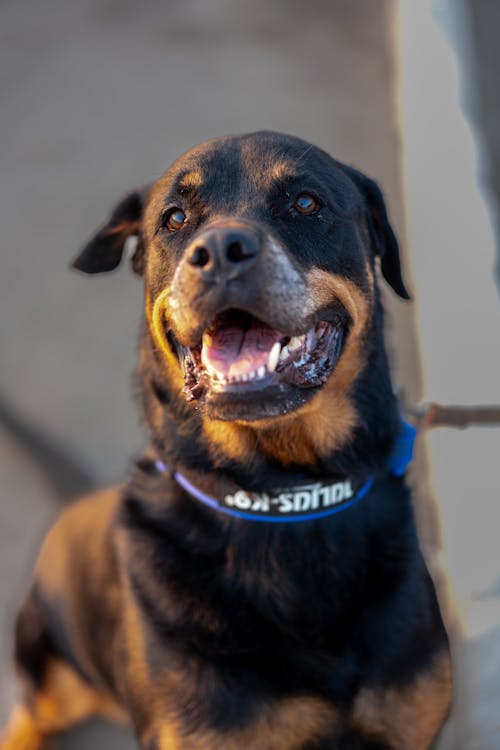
column 303, row 502
column 434, row 415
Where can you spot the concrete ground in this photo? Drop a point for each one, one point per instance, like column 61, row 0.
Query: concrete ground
column 100, row 96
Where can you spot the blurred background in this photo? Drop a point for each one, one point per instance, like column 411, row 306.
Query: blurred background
column 99, row 96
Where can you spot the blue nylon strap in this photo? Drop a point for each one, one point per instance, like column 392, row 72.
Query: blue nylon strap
column 397, row 464
column 213, row 503
column 402, row 452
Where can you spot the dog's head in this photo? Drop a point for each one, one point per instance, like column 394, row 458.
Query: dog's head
column 259, row 253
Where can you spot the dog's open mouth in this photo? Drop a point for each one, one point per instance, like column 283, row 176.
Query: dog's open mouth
column 239, row 352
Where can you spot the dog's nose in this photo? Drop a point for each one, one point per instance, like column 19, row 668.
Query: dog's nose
column 224, row 252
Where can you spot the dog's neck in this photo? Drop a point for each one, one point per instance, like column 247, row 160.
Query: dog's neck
column 258, row 559
column 297, row 500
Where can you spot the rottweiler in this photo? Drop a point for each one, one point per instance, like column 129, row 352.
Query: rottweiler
column 257, row 582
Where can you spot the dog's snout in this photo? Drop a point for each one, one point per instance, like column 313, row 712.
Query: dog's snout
column 226, row 252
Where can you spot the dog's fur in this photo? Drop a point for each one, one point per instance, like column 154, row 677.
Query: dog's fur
column 220, row 633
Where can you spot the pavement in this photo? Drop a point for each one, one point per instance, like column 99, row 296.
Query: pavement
column 100, row 96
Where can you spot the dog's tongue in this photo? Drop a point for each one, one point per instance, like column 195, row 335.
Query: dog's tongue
column 231, row 351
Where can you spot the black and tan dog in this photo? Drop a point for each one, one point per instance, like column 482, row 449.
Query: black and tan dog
column 258, row 582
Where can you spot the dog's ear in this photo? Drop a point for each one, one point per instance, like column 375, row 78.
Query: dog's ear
column 103, row 252
column 384, row 240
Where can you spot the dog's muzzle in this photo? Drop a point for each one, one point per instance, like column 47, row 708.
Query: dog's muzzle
column 243, row 319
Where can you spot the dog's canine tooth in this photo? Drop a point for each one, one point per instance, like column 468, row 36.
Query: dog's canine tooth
column 285, row 354
column 207, row 338
column 274, row 356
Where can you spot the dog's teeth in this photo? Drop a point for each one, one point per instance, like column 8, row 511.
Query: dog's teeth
column 252, row 375
column 274, row 356
column 206, row 339
column 244, row 377
column 295, row 343
column 284, row 354
column 214, row 374
column 261, row 372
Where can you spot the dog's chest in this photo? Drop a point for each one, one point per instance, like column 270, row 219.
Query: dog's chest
column 301, row 723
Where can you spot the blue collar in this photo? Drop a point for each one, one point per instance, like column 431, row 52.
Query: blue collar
column 304, row 502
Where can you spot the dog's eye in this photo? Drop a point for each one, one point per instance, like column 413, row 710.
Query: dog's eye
column 173, row 219
column 306, row 203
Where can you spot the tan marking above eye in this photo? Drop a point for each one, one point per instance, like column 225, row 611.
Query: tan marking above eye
column 191, row 181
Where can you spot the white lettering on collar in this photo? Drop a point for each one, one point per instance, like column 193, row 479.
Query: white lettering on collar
column 309, row 498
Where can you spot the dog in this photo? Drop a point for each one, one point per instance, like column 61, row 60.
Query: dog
column 257, row 582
